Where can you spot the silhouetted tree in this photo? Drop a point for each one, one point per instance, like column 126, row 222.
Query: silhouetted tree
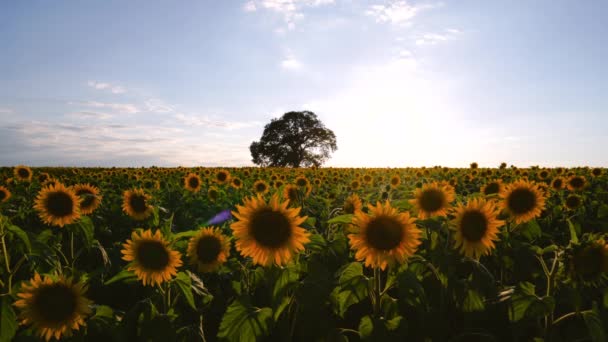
column 296, row 139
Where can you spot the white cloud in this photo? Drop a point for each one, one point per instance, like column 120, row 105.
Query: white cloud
column 290, row 62
column 205, row 121
column 115, row 89
column 435, row 38
column 291, row 10
column 124, row 108
column 249, row 7
column 396, row 12
column 87, row 115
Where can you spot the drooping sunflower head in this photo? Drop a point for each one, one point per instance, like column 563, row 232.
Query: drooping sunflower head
column 269, row 232
column 192, row 182
column 433, row 199
column 476, row 227
column 573, row 201
column 492, row 188
column 213, row 193
column 557, row 183
column 589, row 262
column 384, row 237
column 575, row 183
column 23, row 173
column 352, row 204
column 222, row 177
column 236, row 183
column 57, row 205
column 523, row 200
column 90, row 199
column 292, row 193
column 150, row 257
column 260, row 187
column 208, row 249
column 54, row 307
column 395, row 181
column 135, row 203
column 5, row 194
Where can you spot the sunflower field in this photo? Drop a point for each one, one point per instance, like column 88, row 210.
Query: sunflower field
column 320, row 254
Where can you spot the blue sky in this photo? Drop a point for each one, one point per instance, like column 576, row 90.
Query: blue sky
column 401, row 83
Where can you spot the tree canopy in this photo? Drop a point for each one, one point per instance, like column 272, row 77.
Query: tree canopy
column 297, row 139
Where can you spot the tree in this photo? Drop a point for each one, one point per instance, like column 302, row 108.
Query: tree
column 296, row 139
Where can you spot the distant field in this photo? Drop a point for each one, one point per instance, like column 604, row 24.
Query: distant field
column 327, row 254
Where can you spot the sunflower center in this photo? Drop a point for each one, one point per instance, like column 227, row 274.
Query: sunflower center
column 301, row 182
column 270, row 228
column 432, row 200
column 557, row 183
column 394, row 181
column 260, row 187
column 23, row 173
column 193, row 182
column 152, row 255
column 573, row 201
column 473, row 225
column 208, row 248
column 222, row 176
column 577, row 182
column 87, row 198
column 237, row 182
column 60, row 204
column 138, row 203
column 55, row 303
column 491, row 188
column 384, row 233
column 521, row 201
column 2, row 195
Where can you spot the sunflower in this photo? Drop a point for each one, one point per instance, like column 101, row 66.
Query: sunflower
column 596, row 172
column 573, row 201
column 222, row 177
column 213, row 193
column 576, row 183
column 355, row 184
column 433, row 199
column 523, row 200
column 192, row 182
column 57, row 205
column 476, row 226
column 236, row 183
column 269, row 232
column 208, row 249
column 135, row 204
column 302, row 182
column 260, row 187
column 491, row 188
column 89, row 198
column 150, row 257
column 54, row 307
column 291, row 192
column 352, row 204
column 589, row 262
column 23, row 173
column 557, row 183
column 395, row 181
column 5, row 194
column 43, row 177
column 278, row 184
column 385, row 237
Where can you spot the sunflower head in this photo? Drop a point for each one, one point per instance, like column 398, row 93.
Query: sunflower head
column 192, row 182
column 589, row 262
column 557, row 183
column 491, row 188
column 269, row 232
column 576, row 183
column 301, row 181
column 222, row 176
column 58, row 205
column 42, row 177
column 292, row 193
column 523, row 200
column 150, row 257
column 476, row 227
column 53, row 306
column 573, row 201
column 136, row 204
column 213, row 193
column 89, row 196
column 23, row 173
column 352, row 204
column 543, row 174
column 236, row 183
column 433, row 199
column 384, row 237
column 5, row 194
column 260, row 187
column 395, row 181
column 208, row 249
column 596, row 172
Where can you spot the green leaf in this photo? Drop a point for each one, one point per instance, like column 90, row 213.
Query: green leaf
column 344, row 219
column 366, row 327
column 184, row 284
column 85, row 225
column 401, row 204
column 317, row 243
column 183, row 235
column 531, row 230
column 602, row 212
column 8, row 320
column 573, row 236
column 310, row 222
column 519, row 307
column 350, row 273
column 594, row 326
column 394, row 323
column 472, row 302
column 245, row 323
column 123, row 275
column 103, row 311
column 22, row 235
column 286, row 278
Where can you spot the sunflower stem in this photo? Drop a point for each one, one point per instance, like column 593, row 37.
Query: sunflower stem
column 6, row 261
column 377, row 293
